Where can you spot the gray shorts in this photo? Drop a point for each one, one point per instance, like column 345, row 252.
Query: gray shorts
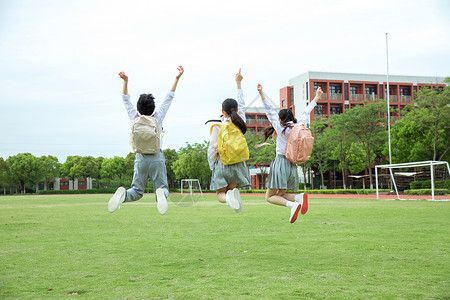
column 283, row 174
column 223, row 175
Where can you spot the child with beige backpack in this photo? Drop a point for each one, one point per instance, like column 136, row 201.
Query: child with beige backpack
column 145, row 141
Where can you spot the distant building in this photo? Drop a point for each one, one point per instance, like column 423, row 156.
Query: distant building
column 65, row 184
column 342, row 91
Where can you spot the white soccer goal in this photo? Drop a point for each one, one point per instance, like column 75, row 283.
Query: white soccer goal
column 190, row 183
column 430, row 164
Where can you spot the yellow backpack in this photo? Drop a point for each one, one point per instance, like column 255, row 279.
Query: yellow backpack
column 232, row 144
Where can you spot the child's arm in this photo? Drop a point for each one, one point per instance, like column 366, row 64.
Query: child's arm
column 160, row 114
column 125, row 83
column 270, row 111
column 132, row 112
column 304, row 117
column 240, row 95
column 180, row 72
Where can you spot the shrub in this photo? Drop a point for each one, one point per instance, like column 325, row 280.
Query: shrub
column 427, row 192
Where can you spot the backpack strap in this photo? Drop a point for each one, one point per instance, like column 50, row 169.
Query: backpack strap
column 212, row 127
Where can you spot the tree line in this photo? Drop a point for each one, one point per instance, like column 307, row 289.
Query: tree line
column 347, row 142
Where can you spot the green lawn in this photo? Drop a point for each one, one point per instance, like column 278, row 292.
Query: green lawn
column 59, row 246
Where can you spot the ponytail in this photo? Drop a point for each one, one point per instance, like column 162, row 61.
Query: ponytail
column 230, row 106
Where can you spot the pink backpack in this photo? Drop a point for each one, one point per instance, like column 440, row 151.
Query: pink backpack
column 300, row 144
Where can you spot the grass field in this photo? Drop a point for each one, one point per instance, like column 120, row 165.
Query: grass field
column 60, row 246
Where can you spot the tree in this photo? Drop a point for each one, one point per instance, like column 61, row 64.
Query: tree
column 321, row 153
column 342, row 142
column 128, row 165
column 86, row 166
column 368, row 125
column 171, row 157
column 24, row 168
column 409, row 142
column 50, row 168
column 3, row 177
column 112, row 168
column 433, row 115
column 67, row 169
column 260, row 157
column 192, row 162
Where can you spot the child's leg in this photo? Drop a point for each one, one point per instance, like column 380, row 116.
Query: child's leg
column 158, row 173
column 277, row 197
column 140, row 176
column 221, row 193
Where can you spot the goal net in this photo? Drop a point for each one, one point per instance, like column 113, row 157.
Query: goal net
column 192, row 186
column 414, row 171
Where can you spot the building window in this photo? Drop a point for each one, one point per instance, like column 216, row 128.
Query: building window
column 335, row 110
column 335, row 89
column 283, row 103
column 262, row 120
column 353, row 90
column 405, row 91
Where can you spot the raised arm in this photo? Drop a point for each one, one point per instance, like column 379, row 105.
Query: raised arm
column 271, row 114
column 240, row 96
column 304, row 117
column 125, row 83
column 180, row 72
column 132, row 112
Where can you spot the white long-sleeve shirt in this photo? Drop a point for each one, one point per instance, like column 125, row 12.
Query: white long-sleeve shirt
column 159, row 114
column 213, row 148
column 282, row 138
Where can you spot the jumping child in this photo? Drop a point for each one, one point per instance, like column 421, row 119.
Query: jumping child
column 146, row 166
column 283, row 173
column 227, row 178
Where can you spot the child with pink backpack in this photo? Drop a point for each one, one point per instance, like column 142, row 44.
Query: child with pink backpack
column 283, row 174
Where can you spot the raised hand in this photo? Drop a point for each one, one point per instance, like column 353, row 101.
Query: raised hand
column 180, row 72
column 319, row 92
column 260, row 88
column 123, row 76
column 238, row 76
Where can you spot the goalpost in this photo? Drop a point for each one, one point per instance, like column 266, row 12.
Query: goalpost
column 190, row 182
column 430, row 164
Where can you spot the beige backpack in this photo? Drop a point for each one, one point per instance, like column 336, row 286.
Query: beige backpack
column 145, row 135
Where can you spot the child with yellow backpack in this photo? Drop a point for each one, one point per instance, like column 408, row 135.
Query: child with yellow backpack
column 228, row 151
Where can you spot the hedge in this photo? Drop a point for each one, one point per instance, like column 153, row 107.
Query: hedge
column 177, row 190
column 438, row 184
column 427, row 192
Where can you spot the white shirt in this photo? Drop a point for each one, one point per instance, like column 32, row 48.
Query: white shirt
column 282, row 138
column 159, row 115
column 213, row 149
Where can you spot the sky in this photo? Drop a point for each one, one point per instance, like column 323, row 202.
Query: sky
column 60, row 93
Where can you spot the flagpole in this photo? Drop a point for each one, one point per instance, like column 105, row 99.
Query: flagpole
column 387, row 98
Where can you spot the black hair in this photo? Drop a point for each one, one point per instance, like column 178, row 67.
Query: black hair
column 285, row 116
column 230, row 106
column 146, row 104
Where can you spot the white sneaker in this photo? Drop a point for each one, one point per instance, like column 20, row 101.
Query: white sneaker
column 294, row 212
column 231, row 200
column 161, row 201
column 237, row 196
column 117, row 199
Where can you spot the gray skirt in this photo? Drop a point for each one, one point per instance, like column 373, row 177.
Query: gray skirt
column 283, row 174
column 222, row 175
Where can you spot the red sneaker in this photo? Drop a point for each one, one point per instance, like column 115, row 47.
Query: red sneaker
column 294, row 212
column 304, row 203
